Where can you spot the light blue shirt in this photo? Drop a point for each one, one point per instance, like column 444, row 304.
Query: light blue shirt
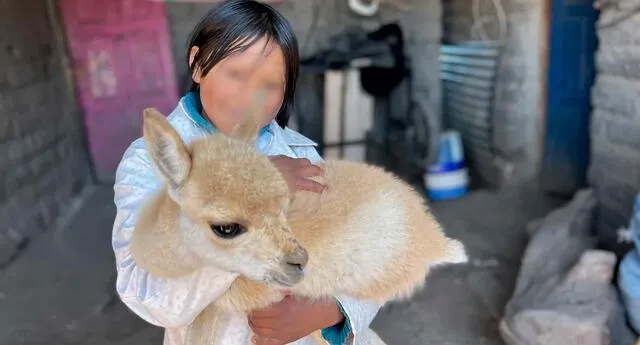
column 174, row 303
column 629, row 271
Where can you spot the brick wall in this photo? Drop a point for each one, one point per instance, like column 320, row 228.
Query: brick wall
column 615, row 122
column 44, row 162
column 516, row 108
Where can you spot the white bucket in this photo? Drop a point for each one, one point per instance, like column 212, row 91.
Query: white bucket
column 449, row 177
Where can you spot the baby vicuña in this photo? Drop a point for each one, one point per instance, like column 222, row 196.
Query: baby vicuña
column 369, row 235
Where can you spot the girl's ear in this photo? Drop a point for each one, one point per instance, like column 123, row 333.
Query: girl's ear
column 195, row 74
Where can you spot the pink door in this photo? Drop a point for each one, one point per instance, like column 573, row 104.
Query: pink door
column 122, row 60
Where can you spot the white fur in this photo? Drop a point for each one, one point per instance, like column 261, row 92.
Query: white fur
column 456, row 253
column 365, row 242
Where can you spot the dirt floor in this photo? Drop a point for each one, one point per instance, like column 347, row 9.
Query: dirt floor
column 60, row 291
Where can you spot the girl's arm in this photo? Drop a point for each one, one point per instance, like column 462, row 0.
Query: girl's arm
column 162, row 302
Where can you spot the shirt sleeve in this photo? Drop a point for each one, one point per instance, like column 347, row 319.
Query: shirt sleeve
column 358, row 317
column 165, row 303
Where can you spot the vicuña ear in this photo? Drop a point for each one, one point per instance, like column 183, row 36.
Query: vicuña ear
column 168, row 152
column 249, row 127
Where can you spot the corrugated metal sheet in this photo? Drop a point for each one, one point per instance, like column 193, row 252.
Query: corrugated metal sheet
column 468, row 71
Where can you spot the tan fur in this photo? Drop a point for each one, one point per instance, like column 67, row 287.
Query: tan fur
column 369, row 235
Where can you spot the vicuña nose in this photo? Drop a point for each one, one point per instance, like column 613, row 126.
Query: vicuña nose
column 297, row 258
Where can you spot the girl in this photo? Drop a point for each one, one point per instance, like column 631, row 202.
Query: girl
column 238, row 48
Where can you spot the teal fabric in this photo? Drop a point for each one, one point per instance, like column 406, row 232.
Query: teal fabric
column 338, row 334
column 193, row 106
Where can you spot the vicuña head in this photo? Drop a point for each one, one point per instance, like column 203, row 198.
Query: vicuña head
column 232, row 201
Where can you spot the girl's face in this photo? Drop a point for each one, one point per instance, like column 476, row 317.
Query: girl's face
column 227, row 89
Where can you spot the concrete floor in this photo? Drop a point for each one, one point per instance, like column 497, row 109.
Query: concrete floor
column 58, row 291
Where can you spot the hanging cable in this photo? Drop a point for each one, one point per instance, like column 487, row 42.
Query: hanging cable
column 363, row 9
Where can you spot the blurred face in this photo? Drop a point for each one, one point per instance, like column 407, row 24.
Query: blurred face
column 233, row 83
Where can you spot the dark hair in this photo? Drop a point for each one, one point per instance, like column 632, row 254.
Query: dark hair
column 235, row 25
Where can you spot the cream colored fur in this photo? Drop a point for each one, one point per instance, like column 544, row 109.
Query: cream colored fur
column 368, row 235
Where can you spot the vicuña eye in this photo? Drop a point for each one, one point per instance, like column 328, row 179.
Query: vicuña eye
column 230, row 230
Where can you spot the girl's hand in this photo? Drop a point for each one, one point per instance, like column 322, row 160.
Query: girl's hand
column 295, row 172
column 292, row 319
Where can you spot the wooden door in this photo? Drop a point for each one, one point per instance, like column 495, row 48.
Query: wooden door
column 571, row 73
column 122, row 62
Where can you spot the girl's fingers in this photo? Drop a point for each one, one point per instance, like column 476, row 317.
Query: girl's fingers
column 303, row 162
column 266, row 341
column 262, row 332
column 309, row 185
column 311, row 170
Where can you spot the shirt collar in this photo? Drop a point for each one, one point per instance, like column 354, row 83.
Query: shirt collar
column 193, row 108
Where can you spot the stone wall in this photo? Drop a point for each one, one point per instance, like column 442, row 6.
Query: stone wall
column 615, row 121
column 44, row 161
column 516, row 108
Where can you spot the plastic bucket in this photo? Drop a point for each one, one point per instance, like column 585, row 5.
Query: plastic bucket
column 448, row 178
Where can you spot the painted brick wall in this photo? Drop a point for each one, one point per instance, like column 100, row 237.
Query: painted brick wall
column 44, row 161
column 516, row 111
column 615, row 122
